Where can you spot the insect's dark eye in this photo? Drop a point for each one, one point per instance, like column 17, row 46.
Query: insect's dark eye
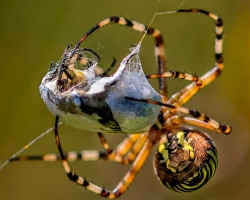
column 53, row 68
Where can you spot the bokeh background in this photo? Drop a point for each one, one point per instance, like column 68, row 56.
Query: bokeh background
column 33, row 33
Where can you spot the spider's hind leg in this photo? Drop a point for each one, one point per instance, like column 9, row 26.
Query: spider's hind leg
column 189, row 91
column 124, row 153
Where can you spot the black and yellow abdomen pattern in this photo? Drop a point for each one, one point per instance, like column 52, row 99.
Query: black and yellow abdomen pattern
column 186, row 160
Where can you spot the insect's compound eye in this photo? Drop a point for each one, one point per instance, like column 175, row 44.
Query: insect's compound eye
column 86, row 59
column 53, row 68
column 186, row 161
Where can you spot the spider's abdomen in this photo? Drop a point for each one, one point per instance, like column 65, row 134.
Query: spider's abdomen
column 187, row 161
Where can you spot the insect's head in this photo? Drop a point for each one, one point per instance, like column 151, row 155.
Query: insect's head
column 68, row 72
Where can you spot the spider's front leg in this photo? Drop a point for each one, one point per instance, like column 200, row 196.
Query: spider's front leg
column 122, row 185
column 197, row 118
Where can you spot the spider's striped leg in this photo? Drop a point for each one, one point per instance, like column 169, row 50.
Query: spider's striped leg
column 199, row 119
column 122, row 186
column 135, row 168
column 209, row 123
column 86, row 155
column 124, row 153
column 186, row 93
column 99, row 71
column 71, row 156
column 159, row 43
column 181, row 75
column 106, row 71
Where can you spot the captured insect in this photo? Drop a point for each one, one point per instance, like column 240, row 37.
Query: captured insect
column 76, row 92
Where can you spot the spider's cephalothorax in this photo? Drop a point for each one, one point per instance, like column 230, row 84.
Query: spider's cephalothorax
column 125, row 102
column 186, row 161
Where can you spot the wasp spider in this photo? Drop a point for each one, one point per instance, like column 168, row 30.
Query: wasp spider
column 186, row 158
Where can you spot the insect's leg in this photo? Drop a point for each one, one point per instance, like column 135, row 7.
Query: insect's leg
column 121, row 187
column 186, row 93
column 159, row 43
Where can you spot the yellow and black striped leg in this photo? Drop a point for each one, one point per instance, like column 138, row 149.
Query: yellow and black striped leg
column 179, row 75
column 135, row 168
column 159, row 43
column 122, row 186
column 71, row 156
column 133, row 152
column 106, row 71
column 208, row 123
column 99, row 71
column 199, row 119
column 124, row 153
column 186, row 93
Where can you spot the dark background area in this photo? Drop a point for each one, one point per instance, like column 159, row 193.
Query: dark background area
column 35, row 32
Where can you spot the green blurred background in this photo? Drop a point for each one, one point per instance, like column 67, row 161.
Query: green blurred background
column 35, row 32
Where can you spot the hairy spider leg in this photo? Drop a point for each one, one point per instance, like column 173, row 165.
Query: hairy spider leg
column 186, row 93
column 198, row 118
